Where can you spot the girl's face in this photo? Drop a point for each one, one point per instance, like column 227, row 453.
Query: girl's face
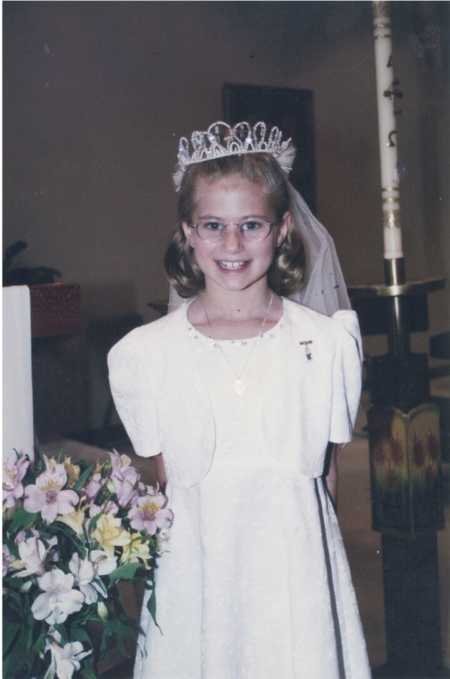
column 233, row 263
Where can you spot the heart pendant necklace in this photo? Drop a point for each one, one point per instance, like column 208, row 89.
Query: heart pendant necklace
column 239, row 384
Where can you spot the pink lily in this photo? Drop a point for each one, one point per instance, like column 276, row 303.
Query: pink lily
column 149, row 514
column 47, row 495
column 14, row 469
column 124, row 478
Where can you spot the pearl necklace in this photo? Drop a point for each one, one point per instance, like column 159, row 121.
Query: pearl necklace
column 239, row 383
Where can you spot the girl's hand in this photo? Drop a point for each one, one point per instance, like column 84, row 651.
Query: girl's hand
column 331, row 472
column 158, row 472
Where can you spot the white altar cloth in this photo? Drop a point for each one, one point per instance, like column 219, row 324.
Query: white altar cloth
column 17, row 381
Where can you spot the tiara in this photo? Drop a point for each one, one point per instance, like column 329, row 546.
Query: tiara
column 221, row 140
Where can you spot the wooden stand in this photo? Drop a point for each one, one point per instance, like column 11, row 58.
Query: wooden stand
column 404, row 444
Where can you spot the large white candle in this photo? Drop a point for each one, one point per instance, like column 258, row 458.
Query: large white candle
column 17, row 382
column 386, row 94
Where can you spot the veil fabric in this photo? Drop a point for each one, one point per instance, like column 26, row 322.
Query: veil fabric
column 324, row 289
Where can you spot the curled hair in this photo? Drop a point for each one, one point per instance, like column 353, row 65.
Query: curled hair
column 285, row 274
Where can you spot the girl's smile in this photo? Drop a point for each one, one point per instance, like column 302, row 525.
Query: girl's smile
column 233, row 263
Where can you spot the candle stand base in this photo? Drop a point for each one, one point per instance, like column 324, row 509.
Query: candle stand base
column 406, row 477
column 407, row 510
column 389, row 671
column 413, row 634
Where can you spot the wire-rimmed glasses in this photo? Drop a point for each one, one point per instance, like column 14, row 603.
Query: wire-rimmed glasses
column 251, row 229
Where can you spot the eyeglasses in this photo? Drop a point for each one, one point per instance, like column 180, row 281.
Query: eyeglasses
column 251, row 229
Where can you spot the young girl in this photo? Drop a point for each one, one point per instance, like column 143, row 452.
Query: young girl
column 238, row 395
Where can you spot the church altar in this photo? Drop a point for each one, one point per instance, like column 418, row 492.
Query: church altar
column 17, row 379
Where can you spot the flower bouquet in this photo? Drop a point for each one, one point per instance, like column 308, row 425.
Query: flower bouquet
column 71, row 533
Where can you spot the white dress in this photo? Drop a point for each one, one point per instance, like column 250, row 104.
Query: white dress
column 256, row 584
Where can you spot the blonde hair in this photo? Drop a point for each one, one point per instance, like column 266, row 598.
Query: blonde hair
column 285, row 274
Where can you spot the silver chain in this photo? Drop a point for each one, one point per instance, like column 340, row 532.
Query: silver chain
column 239, row 384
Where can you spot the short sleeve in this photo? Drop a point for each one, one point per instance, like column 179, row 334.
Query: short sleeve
column 133, row 396
column 347, row 374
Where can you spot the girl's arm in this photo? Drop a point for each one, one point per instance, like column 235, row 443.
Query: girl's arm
column 157, row 471
column 331, row 473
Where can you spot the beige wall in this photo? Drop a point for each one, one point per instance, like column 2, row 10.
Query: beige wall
column 96, row 95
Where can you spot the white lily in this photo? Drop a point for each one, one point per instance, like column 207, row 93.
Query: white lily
column 65, row 660
column 104, row 562
column 84, row 572
column 7, row 560
column 59, row 599
column 32, row 553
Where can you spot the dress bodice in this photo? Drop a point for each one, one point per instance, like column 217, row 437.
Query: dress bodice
column 175, row 392
column 237, row 375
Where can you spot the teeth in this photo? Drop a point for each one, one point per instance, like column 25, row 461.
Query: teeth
column 231, row 265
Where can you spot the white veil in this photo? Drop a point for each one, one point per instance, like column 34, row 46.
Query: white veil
column 324, row 288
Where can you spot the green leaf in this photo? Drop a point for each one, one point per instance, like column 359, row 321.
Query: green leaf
column 17, row 656
column 151, row 606
column 14, row 598
column 101, row 586
column 28, row 638
column 79, row 634
column 61, row 628
column 67, row 532
column 11, row 665
column 10, row 632
column 125, row 572
column 39, row 644
column 93, row 523
column 115, row 632
column 88, row 672
column 39, row 463
column 84, row 477
column 22, row 520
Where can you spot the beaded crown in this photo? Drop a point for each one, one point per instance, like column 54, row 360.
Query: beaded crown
column 221, row 139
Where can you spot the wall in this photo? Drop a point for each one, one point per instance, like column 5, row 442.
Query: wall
column 96, row 95
column 339, row 67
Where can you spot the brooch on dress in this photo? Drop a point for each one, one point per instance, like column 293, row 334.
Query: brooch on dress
column 306, row 344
